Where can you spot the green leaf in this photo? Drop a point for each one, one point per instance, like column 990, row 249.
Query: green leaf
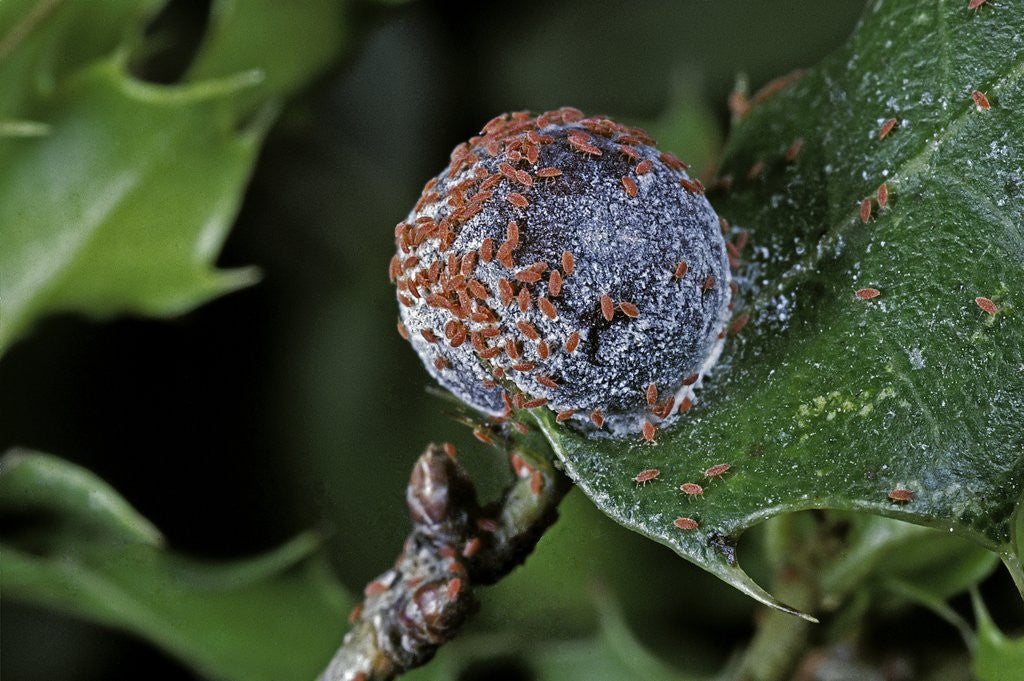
column 996, row 657
column 124, row 205
column 827, row 401
column 289, row 42
column 71, row 543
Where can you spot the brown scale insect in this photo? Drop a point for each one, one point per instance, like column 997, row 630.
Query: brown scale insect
column 428, row 336
column 543, row 350
column 887, row 127
column 572, row 342
column 564, row 415
column 547, row 308
column 868, row 293
column 882, row 195
column 986, row 305
column 980, row 100
column 652, row 395
column 524, row 299
column 607, row 307
column 686, row 523
column 900, row 495
column 685, row 405
column 487, row 250
column 739, row 323
column 649, row 431
column 644, row 477
column 794, row 149
column 505, row 292
column 478, row 289
column 584, row 147
column 507, row 170
column 459, row 339
column 644, row 167
column 511, row 349
column 548, row 172
column 865, row 210
column 533, row 404
column 693, row 186
column 629, row 184
column 680, row 272
column 597, row 417
column 517, row 200
column 555, row 284
column 691, row 379
column 528, row 329
column 629, row 309
column 490, row 353
column 547, row 382
column 468, row 263
column 568, row 263
column 691, row 489
column 717, row 471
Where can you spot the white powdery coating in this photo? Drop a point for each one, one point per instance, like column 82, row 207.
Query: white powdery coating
column 625, row 247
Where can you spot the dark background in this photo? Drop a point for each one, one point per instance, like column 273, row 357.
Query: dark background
column 294, row 404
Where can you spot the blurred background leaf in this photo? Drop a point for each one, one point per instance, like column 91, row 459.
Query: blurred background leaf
column 71, row 543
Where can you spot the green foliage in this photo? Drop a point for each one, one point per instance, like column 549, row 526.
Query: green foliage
column 827, row 401
column 72, row 543
column 125, row 191
column 996, row 657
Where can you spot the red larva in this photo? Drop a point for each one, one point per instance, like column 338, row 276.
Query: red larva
column 901, row 495
column 548, row 172
column 564, row 415
column 440, row 363
column 528, row 329
column 883, row 196
column 472, row 547
column 649, row 431
column 709, row 283
column 505, row 291
column 511, row 349
column 739, row 323
column 886, row 128
column 568, row 262
column 691, row 379
column 450, row 450
column 986, row 305
column 512, row 234
column 607, row 307
column 685, row 405
column 629, row 309
column 975, row 4
column 980, row 99
column 547, row 308
column 693, row 186
column 355, row 613
column 547, row 382
column 374, row 588
column 644, row 477
column 755, row 170
column 454, row 587
column 865, row 210
column 517, row 200
column 671, row 161
column 681, row 268
column 644, row 167
column 652, row 395
column 686, row 523
column 543, row 351
column 717, row 471
column 402, row 331
column 428, row 336
column 487, row 250
column 555, row 284
column 868, row 293
column 597, row 417
column 536, row 483
column 524, row 299
column 478, row 289
column 691, row 489
column 629, row 184
column 528, row 276
column 794, row 149
column 573, row 342
column 533, row 404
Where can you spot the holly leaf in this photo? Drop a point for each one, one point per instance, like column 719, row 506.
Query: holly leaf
column 70, row 542
column 827, row 400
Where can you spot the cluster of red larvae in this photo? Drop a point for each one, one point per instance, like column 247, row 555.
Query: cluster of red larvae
column 565, row 262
